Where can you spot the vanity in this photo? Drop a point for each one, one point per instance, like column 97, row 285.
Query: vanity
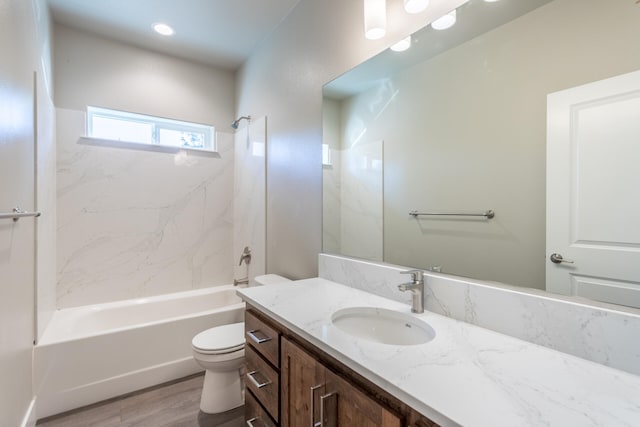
column 303, row 367
column 292, row 382
column 302, row 385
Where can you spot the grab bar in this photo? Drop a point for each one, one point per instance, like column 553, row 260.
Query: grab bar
column 487, row 214
column 18, row 213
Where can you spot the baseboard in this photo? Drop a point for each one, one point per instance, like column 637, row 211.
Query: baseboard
column 87, row 394
column 30, row 418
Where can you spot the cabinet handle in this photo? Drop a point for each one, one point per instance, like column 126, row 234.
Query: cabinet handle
column 254, row 337
column 329, row 410
column 250, row 422
column 255, row 382
column 313, row 405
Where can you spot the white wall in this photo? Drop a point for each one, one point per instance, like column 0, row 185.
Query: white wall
column 136, row 223
column 23, row 49
column 283, row 79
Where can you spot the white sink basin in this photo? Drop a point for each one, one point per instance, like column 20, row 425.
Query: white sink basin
column 383, row 326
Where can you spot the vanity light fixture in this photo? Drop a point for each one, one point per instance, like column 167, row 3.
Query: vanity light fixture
column 415, row 6
column 375, row 19
column 402, row 45
column 163, row 29
column 445, row 21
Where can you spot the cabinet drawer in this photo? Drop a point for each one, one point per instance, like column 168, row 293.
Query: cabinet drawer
column 263, row 381
column 264, row 339
column 255, row 415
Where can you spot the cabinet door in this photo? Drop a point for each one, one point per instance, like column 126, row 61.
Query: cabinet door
column 354, row 408
column 302, row 379
column 308, row 387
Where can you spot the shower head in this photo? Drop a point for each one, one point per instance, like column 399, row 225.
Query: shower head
column 237, row 121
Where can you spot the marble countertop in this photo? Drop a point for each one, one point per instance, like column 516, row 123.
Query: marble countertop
column 466, row 375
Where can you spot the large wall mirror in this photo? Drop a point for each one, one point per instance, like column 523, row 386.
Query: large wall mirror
column 462, row 123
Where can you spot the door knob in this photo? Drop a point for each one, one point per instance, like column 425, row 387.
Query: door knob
column 557, row 259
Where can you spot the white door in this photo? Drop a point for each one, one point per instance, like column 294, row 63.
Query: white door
column 593, row 190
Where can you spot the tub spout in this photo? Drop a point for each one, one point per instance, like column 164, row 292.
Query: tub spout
column 244, row 281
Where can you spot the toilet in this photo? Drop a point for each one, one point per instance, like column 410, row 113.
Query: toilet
column 220, row 351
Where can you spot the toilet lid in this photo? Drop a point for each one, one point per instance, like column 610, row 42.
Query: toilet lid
column 221, row 339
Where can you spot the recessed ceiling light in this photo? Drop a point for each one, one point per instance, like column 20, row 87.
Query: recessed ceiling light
column 445, row 21
column 402, row 45
column 415, row 6
column 163, row 29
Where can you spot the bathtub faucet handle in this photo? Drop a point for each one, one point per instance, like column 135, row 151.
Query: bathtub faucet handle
column 245, row 256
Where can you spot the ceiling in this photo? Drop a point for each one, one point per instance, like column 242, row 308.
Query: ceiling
column 222, row 33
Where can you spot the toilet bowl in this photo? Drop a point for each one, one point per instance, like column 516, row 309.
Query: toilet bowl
column 220, row 351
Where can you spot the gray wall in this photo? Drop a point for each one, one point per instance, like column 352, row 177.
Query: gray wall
column 92, row 70
column 283, row 80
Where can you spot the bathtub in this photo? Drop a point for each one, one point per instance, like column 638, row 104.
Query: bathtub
column 92, row 353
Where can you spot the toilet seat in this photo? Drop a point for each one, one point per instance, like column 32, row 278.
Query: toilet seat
column 220, row 340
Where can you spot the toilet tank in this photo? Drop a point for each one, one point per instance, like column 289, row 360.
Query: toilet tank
column 270, row 279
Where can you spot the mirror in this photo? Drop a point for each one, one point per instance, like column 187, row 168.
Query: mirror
column 458, row 124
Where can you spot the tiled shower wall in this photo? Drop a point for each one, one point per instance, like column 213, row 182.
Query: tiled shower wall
column 134, row 223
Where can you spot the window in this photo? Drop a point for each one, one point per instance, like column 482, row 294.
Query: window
column 326, row 155
column 140, row 129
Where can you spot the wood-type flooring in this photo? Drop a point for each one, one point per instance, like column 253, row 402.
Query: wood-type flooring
column 175, row 404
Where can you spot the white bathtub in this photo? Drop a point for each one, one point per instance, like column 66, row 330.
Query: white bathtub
column 88, row 354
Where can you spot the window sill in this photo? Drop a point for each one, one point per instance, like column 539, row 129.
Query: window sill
column 89, row 140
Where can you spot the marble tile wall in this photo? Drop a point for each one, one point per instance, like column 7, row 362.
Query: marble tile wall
column 249, row 197
column 134, row 223
column 601, row 333
column 352, row 201
column 361, row 200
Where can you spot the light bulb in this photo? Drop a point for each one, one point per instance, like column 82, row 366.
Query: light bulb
column 415, row 6
column 375, row 19
column 445, row 21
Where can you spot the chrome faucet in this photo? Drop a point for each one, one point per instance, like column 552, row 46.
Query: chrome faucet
column 246, row 258
column 416, row 286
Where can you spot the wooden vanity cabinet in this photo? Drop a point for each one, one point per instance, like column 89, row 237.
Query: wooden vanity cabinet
column 262, row 371
column 302, row 379
column 255, row 415
column 314, row 395
column 314, row 389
